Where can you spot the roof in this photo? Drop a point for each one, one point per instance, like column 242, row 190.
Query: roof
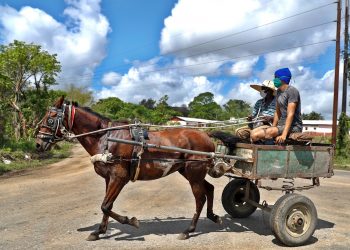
column 190, row 119
column 318, row 122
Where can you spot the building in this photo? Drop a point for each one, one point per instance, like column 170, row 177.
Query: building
column 188, row 121
column 318, row 127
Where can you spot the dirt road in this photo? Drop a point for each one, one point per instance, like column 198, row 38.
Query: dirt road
column 56, row 207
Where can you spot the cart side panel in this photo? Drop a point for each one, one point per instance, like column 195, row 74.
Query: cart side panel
column 301, row 163
column 285, row 161
column 324, row 163
column 247, row 168
column 272, row 163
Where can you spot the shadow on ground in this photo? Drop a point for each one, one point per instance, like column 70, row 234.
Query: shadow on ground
column 257, row 223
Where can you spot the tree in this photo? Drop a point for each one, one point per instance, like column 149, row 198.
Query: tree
column 312, row 116
column 81, row 95
column 109, row 107
column 149, row 103
column 25, row 65
column 163, row 112
column 203, row 106
column 183, row 110
column 5, row 94
column 237, row 109
column 343, row 148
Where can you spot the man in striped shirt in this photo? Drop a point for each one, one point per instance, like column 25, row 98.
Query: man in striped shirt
column 263, row 111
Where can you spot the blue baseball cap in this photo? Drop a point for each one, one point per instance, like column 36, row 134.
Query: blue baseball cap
column 283, row 74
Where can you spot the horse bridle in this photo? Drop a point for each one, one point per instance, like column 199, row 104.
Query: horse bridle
column 55, row 124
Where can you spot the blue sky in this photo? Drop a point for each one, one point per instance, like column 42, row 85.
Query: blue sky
column 145, row 49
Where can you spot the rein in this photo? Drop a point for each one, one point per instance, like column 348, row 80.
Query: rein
column 157, row 126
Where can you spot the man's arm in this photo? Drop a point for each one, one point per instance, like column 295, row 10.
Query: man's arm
column 290, row 115
column 277, row 116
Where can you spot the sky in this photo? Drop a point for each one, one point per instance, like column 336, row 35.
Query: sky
column 134, row 49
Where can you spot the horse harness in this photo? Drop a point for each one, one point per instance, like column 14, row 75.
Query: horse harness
column 137, row 132
column 55, row 124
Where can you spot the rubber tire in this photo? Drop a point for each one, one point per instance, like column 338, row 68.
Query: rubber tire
column 279, row 215
column 228, row 197
column 273, row 211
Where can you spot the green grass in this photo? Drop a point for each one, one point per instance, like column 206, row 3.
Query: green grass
column 16, row 152
column 341, row 162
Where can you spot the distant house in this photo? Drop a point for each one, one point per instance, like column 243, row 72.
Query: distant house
column 188, row 121
column 318, row 127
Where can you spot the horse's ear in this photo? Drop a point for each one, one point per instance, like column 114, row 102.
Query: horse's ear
column 59, row 102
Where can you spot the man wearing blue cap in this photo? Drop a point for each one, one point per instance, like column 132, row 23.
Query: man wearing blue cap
column 287, row 118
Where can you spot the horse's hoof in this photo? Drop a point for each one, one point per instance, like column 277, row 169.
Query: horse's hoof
column 93, row 237
column 134, row 222
column 218, row 220
column 215, row 218
column 183, row 236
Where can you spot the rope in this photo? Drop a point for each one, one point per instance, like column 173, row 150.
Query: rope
column 69, row 137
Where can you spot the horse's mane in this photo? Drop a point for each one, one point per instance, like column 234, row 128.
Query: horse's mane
column 89, row 110
column 102, row 117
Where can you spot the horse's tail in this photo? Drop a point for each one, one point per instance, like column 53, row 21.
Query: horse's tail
column 228, row 139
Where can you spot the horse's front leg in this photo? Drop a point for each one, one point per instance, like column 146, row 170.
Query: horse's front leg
column 104, row 223
column 114, row 187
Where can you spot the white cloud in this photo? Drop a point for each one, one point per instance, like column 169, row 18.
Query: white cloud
column 79, row 43
column 111, row 78
column 185, row 76
column 243, row 68
column 214, row 19
column 222, row 18
column 139, row 84
column 316, row 93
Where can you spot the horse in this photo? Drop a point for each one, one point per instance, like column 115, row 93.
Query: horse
column 65, row 117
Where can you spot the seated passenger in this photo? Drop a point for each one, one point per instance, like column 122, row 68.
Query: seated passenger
column 263, row 110
column 287, row 118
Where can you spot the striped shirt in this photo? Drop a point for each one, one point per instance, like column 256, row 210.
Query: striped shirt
column 265, row 110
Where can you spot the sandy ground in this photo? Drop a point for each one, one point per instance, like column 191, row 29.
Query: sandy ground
column 57, row 206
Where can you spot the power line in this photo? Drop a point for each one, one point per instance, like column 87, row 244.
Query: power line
column 250, row 29
column 254, row 41
column 229, row 59
column 178, row 33
column 225, row 36
column 232, row 46
column 224, row 60
column 147, row 87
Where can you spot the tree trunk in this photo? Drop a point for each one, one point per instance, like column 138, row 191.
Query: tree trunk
column 19, row 121
column 16, row 125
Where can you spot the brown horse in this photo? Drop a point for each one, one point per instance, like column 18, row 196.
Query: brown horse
column 67, row 117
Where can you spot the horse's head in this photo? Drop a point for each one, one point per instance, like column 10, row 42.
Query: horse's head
column 54, row 125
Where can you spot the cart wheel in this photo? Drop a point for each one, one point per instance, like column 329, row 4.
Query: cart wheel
column 293, row 219
column 232, row 198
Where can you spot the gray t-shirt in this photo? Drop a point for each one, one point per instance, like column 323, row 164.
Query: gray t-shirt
column 290, row 95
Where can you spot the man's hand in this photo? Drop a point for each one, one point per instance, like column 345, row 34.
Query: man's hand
column 281, row 139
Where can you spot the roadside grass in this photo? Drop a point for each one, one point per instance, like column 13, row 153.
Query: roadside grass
column 341, row 162
column 22, row 155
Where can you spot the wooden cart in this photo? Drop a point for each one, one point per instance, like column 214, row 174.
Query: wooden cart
column 293, row 217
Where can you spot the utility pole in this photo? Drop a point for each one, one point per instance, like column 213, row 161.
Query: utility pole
column 336, row 76
column 346, row 55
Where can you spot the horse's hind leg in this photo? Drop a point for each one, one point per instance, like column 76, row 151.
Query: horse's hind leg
column 113, row 190
column 210, row 197
column 199, row 194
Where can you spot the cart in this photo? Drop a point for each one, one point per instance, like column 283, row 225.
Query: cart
column 293, row 218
